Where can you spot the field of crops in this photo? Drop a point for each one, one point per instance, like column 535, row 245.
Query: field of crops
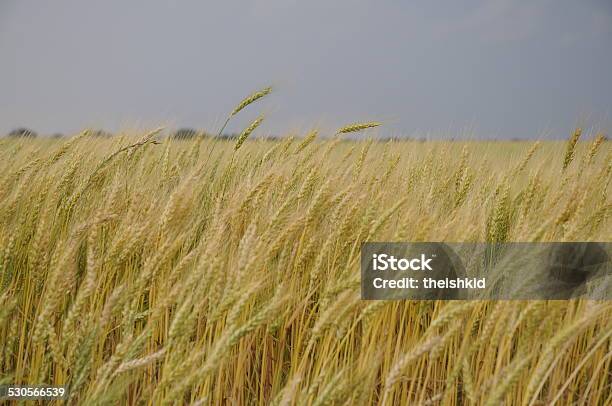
column 144, row 269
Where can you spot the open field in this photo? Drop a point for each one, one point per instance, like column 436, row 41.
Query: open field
column 175, row 272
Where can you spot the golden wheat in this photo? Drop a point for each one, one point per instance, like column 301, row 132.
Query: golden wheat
column 143, row 274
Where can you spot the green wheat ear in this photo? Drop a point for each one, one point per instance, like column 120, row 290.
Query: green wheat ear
column 351, row 128
column 247, row 131
column 250, row 99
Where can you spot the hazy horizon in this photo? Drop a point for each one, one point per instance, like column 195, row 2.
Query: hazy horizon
column 507, row 69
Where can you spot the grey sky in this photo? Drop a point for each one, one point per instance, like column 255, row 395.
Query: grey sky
column 493, row 68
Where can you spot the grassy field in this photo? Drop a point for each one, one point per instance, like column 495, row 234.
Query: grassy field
column 169, row 272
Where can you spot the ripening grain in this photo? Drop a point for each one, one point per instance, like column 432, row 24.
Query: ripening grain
column 138, row 271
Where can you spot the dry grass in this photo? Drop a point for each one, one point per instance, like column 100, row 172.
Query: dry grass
column 142, row 273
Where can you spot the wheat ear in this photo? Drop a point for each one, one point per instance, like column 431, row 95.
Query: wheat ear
column 247, row 131
column 571, row 148
column 351, row 128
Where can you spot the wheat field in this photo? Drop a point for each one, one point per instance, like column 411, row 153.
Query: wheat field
column 140, row 269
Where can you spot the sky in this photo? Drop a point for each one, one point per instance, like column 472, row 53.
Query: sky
column 496, row 68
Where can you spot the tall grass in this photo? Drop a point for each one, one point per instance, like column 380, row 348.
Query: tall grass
column 140, row 273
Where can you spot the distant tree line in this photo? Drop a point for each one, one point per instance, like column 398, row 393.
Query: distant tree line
column 22, row 133
column 191, row 133
column 188, row 134
column 180, row 134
